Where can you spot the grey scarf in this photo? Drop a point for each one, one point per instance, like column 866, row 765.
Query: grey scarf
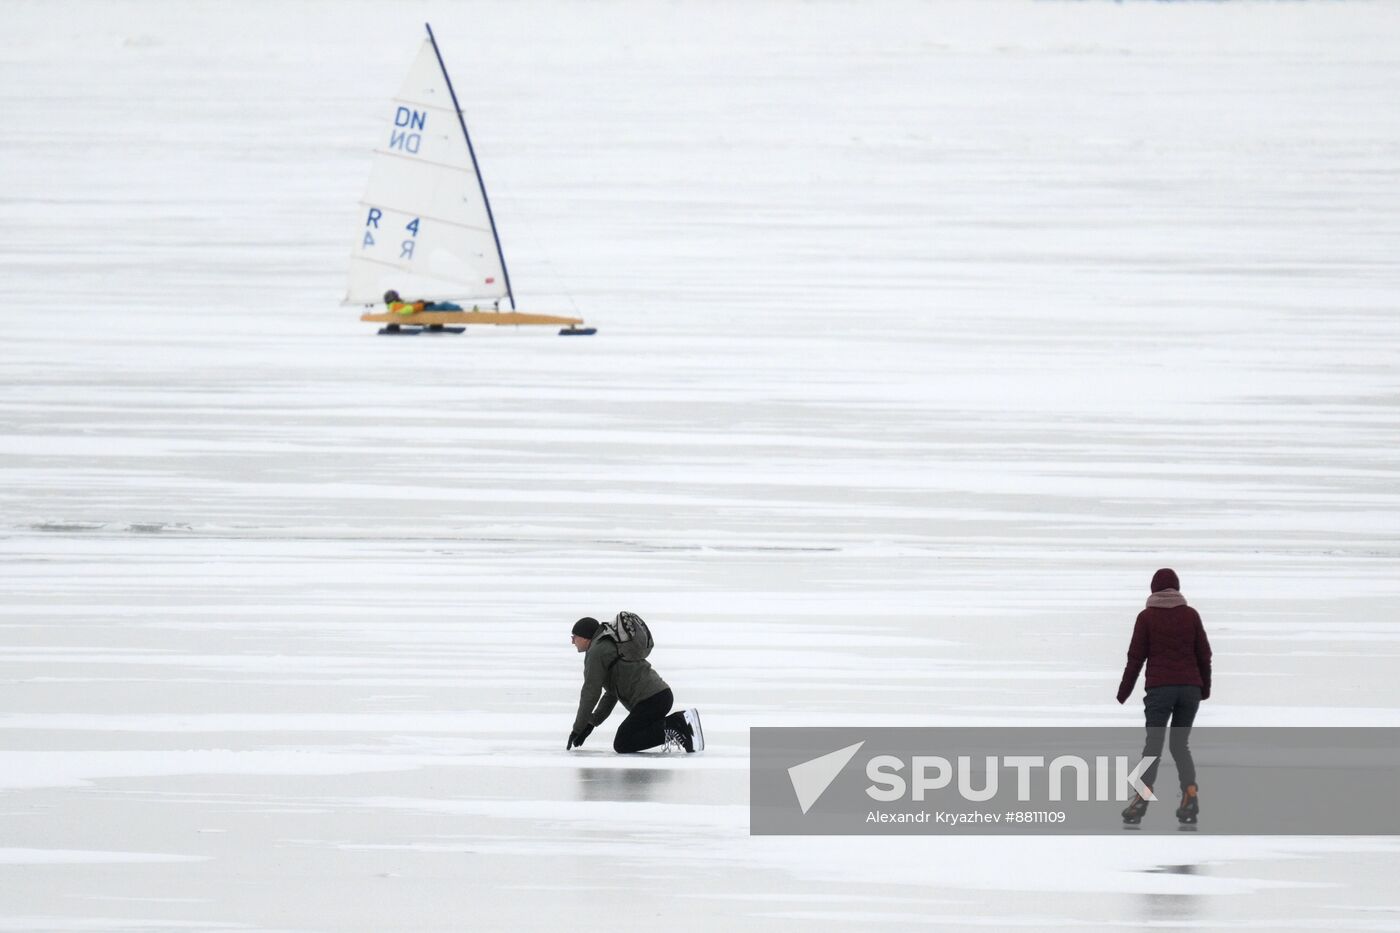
column 1166, row 599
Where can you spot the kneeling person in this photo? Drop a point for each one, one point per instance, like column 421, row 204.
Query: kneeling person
column 615, row 668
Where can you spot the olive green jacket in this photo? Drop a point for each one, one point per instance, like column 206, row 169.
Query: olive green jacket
column 607, row 678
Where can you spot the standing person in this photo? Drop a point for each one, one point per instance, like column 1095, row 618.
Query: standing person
column 1168, row 636
column 615, row 668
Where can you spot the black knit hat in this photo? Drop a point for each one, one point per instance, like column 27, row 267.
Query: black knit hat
column 586, row 627
column 1165, row 579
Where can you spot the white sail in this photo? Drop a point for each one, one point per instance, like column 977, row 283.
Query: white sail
column 425, row 229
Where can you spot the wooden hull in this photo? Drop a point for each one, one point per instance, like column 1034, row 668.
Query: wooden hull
column 425, row 318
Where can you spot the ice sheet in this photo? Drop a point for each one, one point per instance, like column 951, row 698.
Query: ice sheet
column 927, row 332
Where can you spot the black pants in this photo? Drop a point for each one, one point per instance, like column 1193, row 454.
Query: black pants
column 645, row 726
column 1176, row 704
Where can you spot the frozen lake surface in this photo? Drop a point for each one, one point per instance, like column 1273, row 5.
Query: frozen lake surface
column 927, row 332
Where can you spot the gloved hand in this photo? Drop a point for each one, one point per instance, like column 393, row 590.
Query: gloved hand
column 576, row 738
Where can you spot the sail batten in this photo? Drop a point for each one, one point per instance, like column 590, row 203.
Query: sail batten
column 425, row 227
column 442, row 220
column 443, row 165
column 422, row 103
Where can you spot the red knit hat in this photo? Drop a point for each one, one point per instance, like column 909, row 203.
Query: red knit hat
column 1165, row 579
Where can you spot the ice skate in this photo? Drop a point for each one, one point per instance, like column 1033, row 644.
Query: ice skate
column 675, row 743
column 697, row 734
column 684, row 728
column 1190, row 805
column 1135, row 810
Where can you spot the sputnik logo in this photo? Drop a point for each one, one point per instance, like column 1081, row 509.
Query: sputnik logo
column 811, row 778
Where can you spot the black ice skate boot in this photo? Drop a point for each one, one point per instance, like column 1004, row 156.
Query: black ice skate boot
column 683, row 731
column 1190, row 805
column 1134, row 811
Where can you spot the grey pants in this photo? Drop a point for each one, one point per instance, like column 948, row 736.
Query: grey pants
column 1175, row 704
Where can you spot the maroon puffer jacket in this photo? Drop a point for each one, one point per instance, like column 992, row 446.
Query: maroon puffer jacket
column 1173, row 643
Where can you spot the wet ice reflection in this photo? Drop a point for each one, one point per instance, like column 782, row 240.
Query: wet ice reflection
column 623, row 783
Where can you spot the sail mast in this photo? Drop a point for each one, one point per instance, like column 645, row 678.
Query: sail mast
column 472, row 151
